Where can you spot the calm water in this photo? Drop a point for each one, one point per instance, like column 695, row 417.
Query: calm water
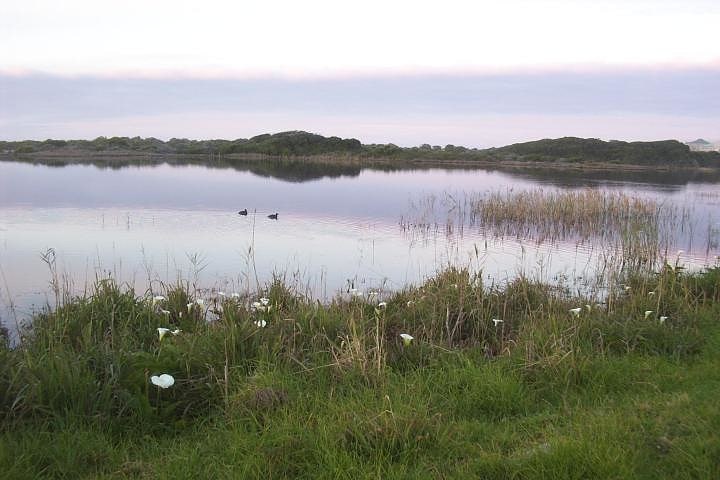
column 143, row 224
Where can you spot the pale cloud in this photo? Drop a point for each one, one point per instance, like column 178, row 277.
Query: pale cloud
column 478, row 111
column 320, row 38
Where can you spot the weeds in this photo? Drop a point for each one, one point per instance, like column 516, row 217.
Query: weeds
column 322, row 390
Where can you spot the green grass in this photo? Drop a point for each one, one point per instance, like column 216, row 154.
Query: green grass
column 329, row 391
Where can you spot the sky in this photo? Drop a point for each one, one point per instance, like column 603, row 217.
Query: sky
column 473, row 73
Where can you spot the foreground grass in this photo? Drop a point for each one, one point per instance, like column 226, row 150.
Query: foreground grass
column 332, row 392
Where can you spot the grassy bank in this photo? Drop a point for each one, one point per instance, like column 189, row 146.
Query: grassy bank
column 521, row 380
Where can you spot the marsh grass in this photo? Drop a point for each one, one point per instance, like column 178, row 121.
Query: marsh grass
column 629, row 233
column 331, row 391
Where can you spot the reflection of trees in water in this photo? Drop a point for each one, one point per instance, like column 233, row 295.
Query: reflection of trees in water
column 303, row 169
column 288, row 170
column 583, row 178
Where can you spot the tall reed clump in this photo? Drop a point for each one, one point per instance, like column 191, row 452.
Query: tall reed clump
column 553, row 215
column 101, row 355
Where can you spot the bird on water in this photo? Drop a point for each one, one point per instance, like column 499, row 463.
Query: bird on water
column 242, row 212
column 273, row 216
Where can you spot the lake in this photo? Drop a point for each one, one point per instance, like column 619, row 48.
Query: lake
column 149, row 224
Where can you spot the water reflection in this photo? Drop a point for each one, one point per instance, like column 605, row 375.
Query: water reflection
column 300, row 170
column 160, row 222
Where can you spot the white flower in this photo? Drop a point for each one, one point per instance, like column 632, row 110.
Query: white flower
column 261, row 323
column 407, row 338
column 648, row 313
column 162, row 332
column 650, row 294
column 663, row 318
column 588, row 307
column 410, row 303
column 163, row 381
column 497, row 321
column 575, row 311
column 165, row 312
column 190, row 305
column 382, row 304
column 264, row 300
column 158, row 298
column 627, row 288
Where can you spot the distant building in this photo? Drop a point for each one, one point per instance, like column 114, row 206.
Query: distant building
column 701, row 145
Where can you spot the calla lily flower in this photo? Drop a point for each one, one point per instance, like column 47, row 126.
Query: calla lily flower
column 575, row 311
column 158, row 298
column 651, row 294
column 382, row 304
column 648, row 313
column 663, row 318
column 163, row 381
column 407, row 338
column 162, row 332
column 165, row 312
column 497, row 321
column 588, row 307
column 261, row 323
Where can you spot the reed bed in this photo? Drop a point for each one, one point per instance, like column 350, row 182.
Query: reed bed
column 636, row 233
column 551, row 215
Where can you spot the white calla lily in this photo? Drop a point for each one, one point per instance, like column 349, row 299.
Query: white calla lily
column 497, row 321
column 407, row 338
column 163, row 381
column 162, row 332
column 648, row 313
column 576, row 311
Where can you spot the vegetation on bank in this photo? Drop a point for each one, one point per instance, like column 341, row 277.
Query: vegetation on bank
column 520, row 380
column 669, row 153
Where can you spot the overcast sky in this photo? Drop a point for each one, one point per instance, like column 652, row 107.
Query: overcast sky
column 474, row 73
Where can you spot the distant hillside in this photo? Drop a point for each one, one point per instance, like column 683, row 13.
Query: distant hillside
column 572, row 149
column 298, row 143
